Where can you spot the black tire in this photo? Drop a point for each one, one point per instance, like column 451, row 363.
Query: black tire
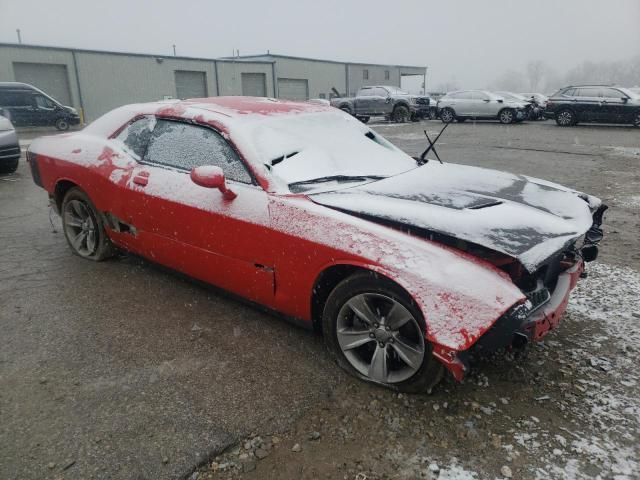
column 506, row 116
column 433, row 114
column 401, row 114
column 636, row 120
column 424, row 377
column 566, row 118
column 62, row 124
column 447, row 115
column 364, row 119
column 75, row 205
column 9, row 166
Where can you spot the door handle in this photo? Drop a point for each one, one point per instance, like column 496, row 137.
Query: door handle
column 141, row 178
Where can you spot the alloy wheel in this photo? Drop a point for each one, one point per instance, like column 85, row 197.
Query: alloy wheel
column 565, row 118
column 380, row 338
column 506, row 116
column 80, row 227
column 446, row 115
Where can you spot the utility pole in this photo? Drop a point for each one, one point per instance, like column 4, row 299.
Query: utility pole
column 174, row 50
column 19, row 36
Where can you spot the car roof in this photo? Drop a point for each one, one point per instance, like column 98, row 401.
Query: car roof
column 18, row 85
column 238, row 106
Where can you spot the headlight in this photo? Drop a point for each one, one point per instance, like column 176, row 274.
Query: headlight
column 72, row 110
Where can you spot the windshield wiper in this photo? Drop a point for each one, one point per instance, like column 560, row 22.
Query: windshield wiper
column 276, row 161
column 338, row 178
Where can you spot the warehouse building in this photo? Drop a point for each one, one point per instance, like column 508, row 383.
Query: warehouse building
column 95, row 82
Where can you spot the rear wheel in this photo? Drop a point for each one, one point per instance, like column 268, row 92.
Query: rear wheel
column 447, row 115
column 566, row 118
column 9, row 166
column 636, row 120
column 364, row 119
column 83, row 227
column 376, row 332
column 506, row 116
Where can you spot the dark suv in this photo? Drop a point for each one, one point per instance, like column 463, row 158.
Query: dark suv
column 594, row 103
column 31, row 107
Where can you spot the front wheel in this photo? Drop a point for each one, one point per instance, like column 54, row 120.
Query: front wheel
column 364, row 119
column 83, row 227
column 401, row 114
column 506, row 116
column 62, row 124
column 447, row 115
column 376, row 332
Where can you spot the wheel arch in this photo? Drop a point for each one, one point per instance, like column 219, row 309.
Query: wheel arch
column 60, row 189
column 330, row 277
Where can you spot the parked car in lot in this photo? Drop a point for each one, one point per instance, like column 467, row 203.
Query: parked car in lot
column 594, row 103
column 390, row 102
column 406, row 265
column 539, row 105
column 31, row 107
column 9, row 145
column 480, row 105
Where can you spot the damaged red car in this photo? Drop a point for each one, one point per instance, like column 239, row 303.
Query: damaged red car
column 407, row 266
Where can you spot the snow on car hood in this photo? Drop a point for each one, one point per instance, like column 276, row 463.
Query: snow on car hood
column 525, row 218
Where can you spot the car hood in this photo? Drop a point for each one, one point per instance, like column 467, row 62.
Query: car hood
column 522, row 217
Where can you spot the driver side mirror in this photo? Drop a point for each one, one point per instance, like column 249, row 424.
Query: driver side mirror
column 210, row 176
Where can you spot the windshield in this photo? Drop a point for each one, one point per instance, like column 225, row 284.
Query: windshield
column 396, row 91
column 314, row 146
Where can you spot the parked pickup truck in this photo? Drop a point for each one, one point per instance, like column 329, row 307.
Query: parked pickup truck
column 390, row 102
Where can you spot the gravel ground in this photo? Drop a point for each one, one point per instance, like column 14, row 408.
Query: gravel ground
column 123, row 370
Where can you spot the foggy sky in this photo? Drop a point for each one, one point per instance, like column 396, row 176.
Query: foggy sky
column 469, row 41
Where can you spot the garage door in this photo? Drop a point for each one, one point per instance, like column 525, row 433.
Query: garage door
column 293, row 89
column 254, row 84
column 190, row 84
column 48, row 77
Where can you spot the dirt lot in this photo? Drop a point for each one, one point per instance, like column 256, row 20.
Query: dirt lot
column 123, row 370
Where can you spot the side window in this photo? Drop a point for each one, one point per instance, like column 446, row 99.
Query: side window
column 465, row 95
column 612, row 93
column 569, row 92
column 16, row 99
column 365, row 92
column 44, row 102
column 185, row 146
column 381, row 92
column 480, row 96
column 588, row 92
column 136, row 135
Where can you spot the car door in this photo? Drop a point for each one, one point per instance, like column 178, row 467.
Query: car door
column 614, row 106
column 483, row 105
column 588, row 104
column 44, row 110
column 363, row 102
column 19, row 103
column 194, row 229
column 381, row 101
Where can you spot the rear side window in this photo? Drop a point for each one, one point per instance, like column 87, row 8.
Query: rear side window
column 136, row 135
column 185, row 146
column 16, row 99
column 569, row 92
column 366, row 92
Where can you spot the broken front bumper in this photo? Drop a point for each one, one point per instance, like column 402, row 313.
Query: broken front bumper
column 523, row 322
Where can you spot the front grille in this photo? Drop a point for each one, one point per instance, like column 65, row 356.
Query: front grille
column 9, row 152
column 538, row 297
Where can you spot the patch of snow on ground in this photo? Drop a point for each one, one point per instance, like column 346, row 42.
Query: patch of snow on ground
column 632, row 152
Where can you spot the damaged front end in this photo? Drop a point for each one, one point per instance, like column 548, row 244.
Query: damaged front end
column 547, row 293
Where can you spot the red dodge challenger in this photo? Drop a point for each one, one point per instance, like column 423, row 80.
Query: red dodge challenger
column 408, row 266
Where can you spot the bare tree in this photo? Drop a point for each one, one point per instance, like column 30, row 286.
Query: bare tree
column 536, row 71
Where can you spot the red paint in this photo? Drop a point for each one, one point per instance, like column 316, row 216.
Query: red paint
column 266, row 249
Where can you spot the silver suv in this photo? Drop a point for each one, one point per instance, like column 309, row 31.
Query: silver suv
column 480, row 105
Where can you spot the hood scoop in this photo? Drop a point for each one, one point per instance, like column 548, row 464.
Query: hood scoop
column 527, row 219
